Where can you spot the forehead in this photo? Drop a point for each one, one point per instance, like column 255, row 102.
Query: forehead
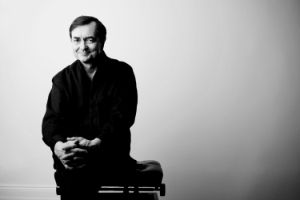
column 87, row 30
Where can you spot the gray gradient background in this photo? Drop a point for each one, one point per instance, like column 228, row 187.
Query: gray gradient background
column 218, row 89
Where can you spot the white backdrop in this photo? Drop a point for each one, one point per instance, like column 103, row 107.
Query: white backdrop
column 218, row 86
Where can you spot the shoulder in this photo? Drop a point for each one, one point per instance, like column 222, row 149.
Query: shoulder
column 119, row 67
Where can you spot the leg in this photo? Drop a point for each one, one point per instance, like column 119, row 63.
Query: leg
column 76, row 185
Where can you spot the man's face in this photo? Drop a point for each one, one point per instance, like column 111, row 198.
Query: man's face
column 86, row 46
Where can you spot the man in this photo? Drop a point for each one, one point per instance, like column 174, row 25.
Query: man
column 90, row 109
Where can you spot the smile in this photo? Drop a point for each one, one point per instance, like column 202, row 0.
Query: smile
column 84, row 54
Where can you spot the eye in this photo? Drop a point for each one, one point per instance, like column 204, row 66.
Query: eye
column 75, row 40
column 90, row 40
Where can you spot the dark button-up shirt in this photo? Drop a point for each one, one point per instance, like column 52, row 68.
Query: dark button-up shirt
column 104, row 107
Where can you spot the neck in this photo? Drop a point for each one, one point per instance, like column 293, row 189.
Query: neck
column 90, row 69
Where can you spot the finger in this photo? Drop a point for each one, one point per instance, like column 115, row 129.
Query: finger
column 66, row 164
column 84, row 143
column 69, row 145
column 68, row 167
column 79, row 159
column 74, row 158
column 80, row 154
column 81, row 166
column 68, row 148
column 72, row 138
column 76, row 140
column 67, row 156
column 76, row 162
column 79, row 151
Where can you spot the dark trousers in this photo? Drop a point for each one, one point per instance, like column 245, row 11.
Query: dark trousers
column 83, row 184
column 77, row 184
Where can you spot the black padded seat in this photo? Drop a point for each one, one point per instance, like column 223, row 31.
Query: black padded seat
column 148, row 172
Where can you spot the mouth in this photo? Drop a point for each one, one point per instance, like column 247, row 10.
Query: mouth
column 84, row 54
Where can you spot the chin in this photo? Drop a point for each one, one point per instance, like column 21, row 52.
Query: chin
column 84, row 59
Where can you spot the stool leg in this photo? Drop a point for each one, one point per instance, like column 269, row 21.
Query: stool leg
column 162, row 191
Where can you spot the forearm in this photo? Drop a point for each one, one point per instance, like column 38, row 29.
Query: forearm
column 53, row 129
column 123, row 105
column 54, row 124
column 51, row 137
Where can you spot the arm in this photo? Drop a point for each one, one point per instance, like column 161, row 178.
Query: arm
column 55, row 129
column 54, row 126
column 115, row 132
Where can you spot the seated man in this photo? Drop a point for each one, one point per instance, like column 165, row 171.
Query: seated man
column 90, row 109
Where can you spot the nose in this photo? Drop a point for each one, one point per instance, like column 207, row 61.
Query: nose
column 82, row 45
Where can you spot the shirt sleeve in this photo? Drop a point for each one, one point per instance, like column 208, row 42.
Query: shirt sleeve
column 116, row 128
column 54, row 122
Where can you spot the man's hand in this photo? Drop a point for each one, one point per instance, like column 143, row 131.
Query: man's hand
column 89, row 145
column 70, row 154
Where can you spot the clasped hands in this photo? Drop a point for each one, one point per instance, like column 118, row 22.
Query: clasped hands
column 74, row 153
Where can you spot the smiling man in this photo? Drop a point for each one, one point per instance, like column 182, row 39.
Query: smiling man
column 90, row 109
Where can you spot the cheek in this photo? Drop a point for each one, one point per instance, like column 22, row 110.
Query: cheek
column 75, row 48
column 93, row 47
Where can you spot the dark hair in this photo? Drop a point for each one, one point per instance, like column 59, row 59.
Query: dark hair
column 84, row 20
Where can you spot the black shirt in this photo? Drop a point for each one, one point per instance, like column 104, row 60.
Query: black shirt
column 104, row 107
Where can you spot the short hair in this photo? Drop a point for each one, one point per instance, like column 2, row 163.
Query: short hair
column 84, row 20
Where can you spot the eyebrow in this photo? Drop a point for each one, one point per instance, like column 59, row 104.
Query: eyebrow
column 85, row 38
